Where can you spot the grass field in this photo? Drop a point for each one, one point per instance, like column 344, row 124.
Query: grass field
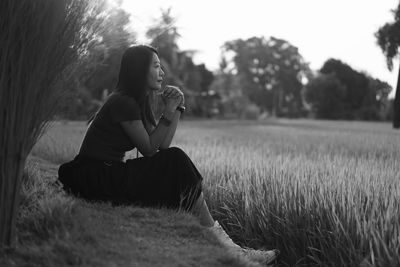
column 324, row 193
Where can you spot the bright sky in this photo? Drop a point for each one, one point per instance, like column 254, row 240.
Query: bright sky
column 321, row 29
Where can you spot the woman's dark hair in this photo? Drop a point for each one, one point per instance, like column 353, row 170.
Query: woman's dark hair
column 132, row 79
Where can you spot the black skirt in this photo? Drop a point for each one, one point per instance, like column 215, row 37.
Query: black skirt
column 168, row 178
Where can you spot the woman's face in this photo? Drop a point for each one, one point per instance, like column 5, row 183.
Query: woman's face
column 156, row 74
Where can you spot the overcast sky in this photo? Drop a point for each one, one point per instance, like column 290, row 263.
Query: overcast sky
column 321, row 29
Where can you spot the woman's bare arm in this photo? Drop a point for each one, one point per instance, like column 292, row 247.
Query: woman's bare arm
column 170, row 135
column 147, row 144
column 171, row 131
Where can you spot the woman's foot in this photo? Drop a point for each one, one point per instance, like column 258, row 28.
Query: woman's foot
column 264, row 257
column 260, row 256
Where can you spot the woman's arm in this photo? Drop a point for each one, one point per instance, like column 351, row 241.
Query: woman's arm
column 149, row 142
column 177, row 114
column 146, row 143
column 171, row 131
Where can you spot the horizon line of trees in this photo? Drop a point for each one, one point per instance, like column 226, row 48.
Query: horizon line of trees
column 258, row 77
column 269, row 76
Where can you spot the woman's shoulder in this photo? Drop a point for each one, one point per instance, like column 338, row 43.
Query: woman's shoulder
column 121, row 98
column 123, row 107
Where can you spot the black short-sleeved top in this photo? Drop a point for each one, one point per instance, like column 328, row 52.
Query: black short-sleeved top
column 105, row 139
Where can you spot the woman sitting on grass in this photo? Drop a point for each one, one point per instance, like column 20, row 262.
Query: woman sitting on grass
column 165, row 176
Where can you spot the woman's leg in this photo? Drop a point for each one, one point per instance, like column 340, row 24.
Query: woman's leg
column 200, row 209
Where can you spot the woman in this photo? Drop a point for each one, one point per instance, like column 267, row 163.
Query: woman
column 164, row 176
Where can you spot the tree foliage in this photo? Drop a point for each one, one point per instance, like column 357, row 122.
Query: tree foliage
column 97, row 73
column 340, row 92
column 194, row 79
column 326, row 94
column 388, row 37
column 271, row 71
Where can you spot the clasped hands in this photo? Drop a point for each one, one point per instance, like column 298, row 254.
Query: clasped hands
column 173, row 97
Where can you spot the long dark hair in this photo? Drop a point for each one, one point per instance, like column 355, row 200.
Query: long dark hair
column 132, row 79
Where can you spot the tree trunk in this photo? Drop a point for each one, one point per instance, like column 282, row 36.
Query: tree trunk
column 276, row 102
column 396, row 108
column 11, row 170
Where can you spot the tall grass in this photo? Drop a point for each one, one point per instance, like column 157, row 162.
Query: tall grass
column 45, row 209
column 40, row 41
column 324, row 193
column 52, row 228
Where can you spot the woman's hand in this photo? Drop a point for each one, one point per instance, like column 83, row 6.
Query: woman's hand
column 172, row 97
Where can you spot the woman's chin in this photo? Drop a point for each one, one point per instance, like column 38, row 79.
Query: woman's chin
column 155, row 88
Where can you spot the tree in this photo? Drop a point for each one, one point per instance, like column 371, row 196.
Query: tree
column 107, row 52
column 388, row 37
column 375, row 100
column 325, row 93
column 228, row 86
column 40, row 40
column 97, row 72
column 272, row 71
column 206, row 77
column 355, row 85
column 164, row 36
column 178, row 65
column 340, row 92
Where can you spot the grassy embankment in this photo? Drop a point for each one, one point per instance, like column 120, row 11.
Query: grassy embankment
column 55, row 229
column 324, row 193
